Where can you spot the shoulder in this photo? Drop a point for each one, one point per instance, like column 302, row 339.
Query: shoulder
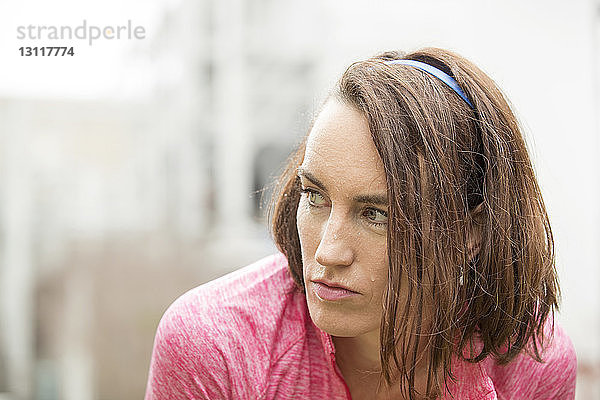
column 218, row 339
column 557, row 374
column 268, row 276
column 554, row 378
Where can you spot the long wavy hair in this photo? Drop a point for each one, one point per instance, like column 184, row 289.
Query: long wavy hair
column 450, row 169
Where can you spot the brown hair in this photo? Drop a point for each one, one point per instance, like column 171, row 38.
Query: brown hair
column 451, row 170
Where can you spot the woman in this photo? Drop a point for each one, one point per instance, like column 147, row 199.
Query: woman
column 416, row 258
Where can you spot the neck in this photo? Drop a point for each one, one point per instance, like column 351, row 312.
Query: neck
column 360, row 352
column 358, row 360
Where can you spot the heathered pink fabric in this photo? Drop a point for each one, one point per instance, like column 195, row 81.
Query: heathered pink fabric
column 248, row 335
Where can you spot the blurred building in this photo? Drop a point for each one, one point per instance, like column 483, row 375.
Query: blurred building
column 111, row 209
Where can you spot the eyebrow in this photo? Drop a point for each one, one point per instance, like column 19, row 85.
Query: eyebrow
column 378, row 199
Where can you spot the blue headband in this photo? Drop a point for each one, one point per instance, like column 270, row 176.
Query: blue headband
column 441, row 75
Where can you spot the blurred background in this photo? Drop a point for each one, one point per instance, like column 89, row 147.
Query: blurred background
column 133, row 171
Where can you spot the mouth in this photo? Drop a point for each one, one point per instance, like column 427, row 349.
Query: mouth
column 331, row 291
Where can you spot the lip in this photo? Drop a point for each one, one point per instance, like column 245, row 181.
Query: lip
column 331, row 291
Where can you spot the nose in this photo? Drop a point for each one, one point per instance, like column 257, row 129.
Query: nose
column 336, row 246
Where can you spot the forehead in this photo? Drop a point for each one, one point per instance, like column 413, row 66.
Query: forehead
column 340, row 150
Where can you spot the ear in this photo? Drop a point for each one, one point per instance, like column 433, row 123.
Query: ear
column 474, row 234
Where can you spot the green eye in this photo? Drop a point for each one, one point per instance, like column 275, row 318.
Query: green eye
column 314, row 197
column 375, row 216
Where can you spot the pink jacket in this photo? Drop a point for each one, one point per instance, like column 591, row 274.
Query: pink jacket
column 248, row 335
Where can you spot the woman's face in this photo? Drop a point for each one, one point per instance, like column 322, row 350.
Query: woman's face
column 342, row 223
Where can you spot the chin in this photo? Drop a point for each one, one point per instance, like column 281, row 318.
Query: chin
column 336, row 322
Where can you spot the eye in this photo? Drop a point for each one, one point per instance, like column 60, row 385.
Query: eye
column 315, row 199
column 376, row 217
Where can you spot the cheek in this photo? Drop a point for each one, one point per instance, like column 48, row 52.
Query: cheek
column 379, row 288
column 308, row 230
column 378, row 273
